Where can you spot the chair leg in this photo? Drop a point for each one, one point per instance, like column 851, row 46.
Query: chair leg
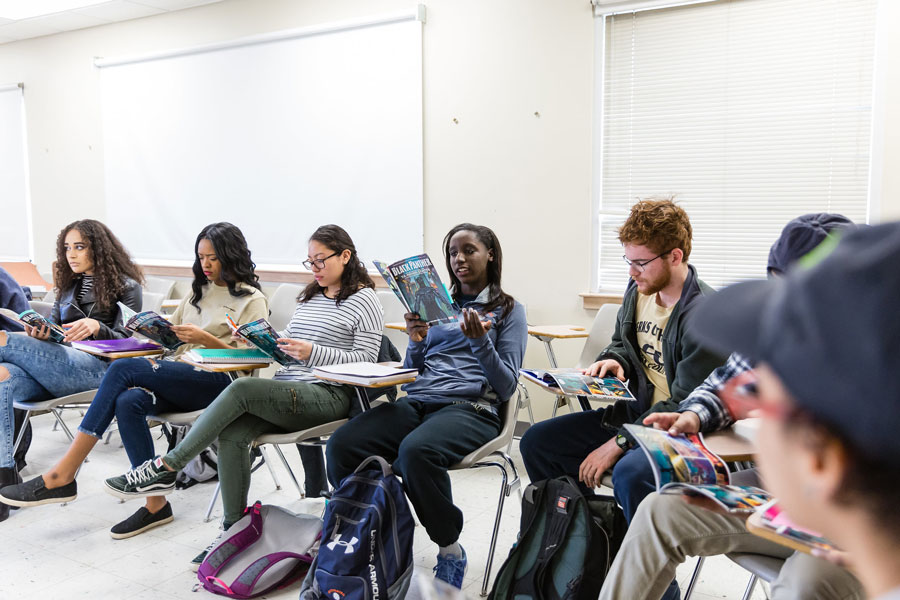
column 212, row 503
column 269, row 466
column 290, row 472
column 750, row 585
column 22, row 431
column 504, row 491
column 694, row 576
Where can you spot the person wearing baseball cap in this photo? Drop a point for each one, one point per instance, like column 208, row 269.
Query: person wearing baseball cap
column 828, row 390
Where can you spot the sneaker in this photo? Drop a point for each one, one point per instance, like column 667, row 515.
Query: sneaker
column 149, row 479
column 451, row 568
column 141, row 521
column 198, row 560
column 35, row 493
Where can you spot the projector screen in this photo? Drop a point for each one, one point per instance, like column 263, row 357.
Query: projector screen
column 277, row 134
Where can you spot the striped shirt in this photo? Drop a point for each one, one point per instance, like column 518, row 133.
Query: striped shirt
column 87, row 284
column 347, row 333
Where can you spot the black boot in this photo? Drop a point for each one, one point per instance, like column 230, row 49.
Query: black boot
column 8, row 476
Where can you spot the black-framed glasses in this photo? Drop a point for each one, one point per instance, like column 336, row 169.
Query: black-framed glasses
column 640, row 265
column 319, row 262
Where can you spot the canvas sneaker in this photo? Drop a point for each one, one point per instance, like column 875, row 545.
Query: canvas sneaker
column 141, row 521
column 451, row 568
column 148, row 479
column 34, row 493
column 198, row 560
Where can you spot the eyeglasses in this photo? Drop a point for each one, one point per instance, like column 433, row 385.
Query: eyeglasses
column 640, row 265
column 319, row 262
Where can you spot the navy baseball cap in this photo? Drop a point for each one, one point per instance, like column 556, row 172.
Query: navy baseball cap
column 800, row 236
column 829, row 331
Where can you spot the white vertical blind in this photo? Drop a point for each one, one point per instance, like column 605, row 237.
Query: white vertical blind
column 15, row 226
column 751, row 112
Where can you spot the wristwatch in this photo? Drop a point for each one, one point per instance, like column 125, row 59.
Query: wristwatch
column 623, row 443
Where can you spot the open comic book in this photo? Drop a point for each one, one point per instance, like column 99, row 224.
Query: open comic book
column 419, row 288
column 682, row 464
column 150, row 325
column 572, row 382
column 264, row 337
column 36, row 319
column 770, row 522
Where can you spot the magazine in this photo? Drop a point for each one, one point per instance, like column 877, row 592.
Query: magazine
column 152, row 326
column 36, row 319
column 417, row 284
column 770, row 522
column 222, row 356
column 682, row 464
column 572, row 382
column 261, row 334
column 365, row 373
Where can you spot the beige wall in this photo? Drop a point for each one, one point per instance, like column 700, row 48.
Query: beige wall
column 489, row 64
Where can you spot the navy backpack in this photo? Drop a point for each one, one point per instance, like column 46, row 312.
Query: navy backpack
column 367, row 539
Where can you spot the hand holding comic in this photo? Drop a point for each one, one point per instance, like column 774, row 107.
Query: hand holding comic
column 416, row 328
column 299, row 349
column 674, row 423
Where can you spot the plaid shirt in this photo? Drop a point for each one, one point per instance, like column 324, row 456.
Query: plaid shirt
column 704, row 400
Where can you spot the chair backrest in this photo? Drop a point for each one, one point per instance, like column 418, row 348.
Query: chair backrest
column 151, row 301
column 509, row 412
column 159, row 285
column 393, row 313
column 600, row 335
column 42, row 308
column 282, row 304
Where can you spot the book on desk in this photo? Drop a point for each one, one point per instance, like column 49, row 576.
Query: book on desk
column 365, row 373
column 227, row 356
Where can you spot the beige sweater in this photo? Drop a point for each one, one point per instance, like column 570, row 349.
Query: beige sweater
column 214, row 304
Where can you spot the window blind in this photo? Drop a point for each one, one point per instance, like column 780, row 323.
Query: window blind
column 751, row 112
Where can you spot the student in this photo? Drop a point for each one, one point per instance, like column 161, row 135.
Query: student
column 684, row 530
column 827, row 391
column 93, row 274
column 466, row 371
column 650, row 348
column 13, row 298
column 224, row 283
column 338, row 319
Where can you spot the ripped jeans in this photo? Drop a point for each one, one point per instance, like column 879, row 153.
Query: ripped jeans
column 136, row 387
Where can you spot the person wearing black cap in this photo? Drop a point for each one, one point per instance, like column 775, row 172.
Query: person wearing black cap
column 669, row 529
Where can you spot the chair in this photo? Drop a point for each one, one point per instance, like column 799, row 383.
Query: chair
column 282, row 304
column 159, row 285
column 760, row 567
column 495, row 453
column 152, row 301
column 42, row 308
column 393, row 313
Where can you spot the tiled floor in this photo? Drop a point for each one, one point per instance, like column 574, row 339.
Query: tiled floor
column 57, row 551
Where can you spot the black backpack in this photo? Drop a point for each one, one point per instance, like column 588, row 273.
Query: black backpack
column 565, row 547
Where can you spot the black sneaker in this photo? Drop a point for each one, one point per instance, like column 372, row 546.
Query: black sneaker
column 35, row 493
column 149, row 479
column 198, row 560
column 141, row 521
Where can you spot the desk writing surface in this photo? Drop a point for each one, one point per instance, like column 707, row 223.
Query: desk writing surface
column 225, row 367
column 557, row 331
column 117, row 355
column 730, row 446
column 755, row 526
column 397, row 326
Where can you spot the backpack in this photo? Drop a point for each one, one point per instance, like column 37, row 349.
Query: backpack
column 268, row 548
column 565, row 546
column 366, row 551
column 203, row 467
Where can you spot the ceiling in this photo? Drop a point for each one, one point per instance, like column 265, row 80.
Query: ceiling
column 100, row 13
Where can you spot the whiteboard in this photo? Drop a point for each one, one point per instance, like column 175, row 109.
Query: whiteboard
column 277, row 134
column 15, row 222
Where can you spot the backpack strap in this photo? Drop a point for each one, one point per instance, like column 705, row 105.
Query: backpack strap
column 385, row 465
column 242, row 587
column 225, row 552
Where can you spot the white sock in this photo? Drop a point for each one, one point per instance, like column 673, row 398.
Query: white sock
column 454, row 549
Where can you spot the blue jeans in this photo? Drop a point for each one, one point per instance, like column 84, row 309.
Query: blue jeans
column 136, row 387
column 40, row 370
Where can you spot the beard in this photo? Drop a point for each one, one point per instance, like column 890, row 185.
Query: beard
column 655, row 285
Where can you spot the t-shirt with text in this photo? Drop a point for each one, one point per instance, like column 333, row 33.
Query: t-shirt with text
column 650, row 322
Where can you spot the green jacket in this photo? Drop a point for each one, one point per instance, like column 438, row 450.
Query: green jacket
column 687, row 363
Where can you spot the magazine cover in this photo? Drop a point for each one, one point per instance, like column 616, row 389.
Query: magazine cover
column 418, row 285
column 736, row 499
column 157, row 328
column 771, row 522
column 262, row 335
column 36, row 319
column 572, row 382
column 680, row 458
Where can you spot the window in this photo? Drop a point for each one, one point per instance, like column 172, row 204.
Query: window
column 15, row 223
column 751, row 112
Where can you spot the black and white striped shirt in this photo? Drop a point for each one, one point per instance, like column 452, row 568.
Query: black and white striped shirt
column 87, row 284
column 347, row 333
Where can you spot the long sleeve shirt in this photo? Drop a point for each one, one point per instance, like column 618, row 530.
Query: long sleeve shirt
column 704, row 400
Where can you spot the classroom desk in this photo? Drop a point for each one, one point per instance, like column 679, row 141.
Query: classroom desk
column 397, row 326
column 548, row 333
column 755, row 526
column 363, row 399
column 730, row 445
column 117, row 355
column 232, row 369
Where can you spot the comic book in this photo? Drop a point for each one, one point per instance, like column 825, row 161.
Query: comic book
column 572, row 382
column 36, row 319
column 770, row 522
column 682, row 464
column 262, row 335
column 417, row 284
column 153, row 326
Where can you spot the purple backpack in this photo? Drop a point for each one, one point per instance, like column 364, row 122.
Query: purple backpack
column 269, row 548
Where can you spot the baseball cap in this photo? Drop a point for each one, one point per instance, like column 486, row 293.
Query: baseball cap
column 800, row 236
column 829, row 331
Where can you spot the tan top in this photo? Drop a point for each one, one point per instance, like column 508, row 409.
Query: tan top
column 650, row 321
column 214, row 304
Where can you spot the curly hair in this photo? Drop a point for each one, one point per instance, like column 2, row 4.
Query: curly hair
column 354, row 277
column 233, row 254
column 486, row 236
column 112, row 263
column 659, row 224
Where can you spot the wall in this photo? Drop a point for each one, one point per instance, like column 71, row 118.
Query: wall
column 516, row 76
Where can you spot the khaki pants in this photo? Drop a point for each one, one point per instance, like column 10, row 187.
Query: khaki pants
column 666, row 531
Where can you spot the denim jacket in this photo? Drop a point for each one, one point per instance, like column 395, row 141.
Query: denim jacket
column 67, row 309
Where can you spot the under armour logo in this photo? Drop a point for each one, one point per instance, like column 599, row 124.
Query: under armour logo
column 349, row 547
